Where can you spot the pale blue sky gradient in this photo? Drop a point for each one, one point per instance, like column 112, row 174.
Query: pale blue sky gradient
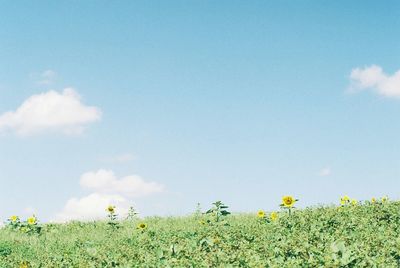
column 242, row 101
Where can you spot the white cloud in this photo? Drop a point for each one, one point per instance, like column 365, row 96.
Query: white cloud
column 374, row 78
column 50, row 111
column 105, row 181
column 91, row 207
column 106, row 190
column 325, row 172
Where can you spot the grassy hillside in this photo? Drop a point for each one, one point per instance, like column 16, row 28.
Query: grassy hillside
column 366, row 235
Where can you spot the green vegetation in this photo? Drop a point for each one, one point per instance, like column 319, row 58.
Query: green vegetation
column 352, row 235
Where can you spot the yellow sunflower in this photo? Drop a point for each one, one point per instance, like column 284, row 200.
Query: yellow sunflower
column 373, row 200
column 216, row 240
column 142, row 226
column 288, row 201
column 274, row 216
column 354, row 202
column 14, row 218
column 344, row 200
column 385, row 199
column 24, row 264
column 111, row 209
column 32, row 220
column 261, row 214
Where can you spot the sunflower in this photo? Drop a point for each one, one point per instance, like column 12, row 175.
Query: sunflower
column 202, row 222
column 24, row 264
column 373, row 200
column 32, row 220
column 274, row 216
column 344, row 200
column 261, row 214
column 142, row 226
column 288, row 201
column 14, row 218
column 384, row 199
column 111, row 209
column 216, row 240
column 354, row 202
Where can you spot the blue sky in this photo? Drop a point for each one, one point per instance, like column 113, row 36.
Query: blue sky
column 195, row 101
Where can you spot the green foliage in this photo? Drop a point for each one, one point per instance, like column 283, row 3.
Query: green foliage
column 112, row 217
column 5, row 248
column 365, row 235
column 14, row 222
column 29, row 226
column 132, row 214
column 218, row 210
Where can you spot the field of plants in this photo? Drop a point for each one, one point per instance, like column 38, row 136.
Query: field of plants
column 352, row 234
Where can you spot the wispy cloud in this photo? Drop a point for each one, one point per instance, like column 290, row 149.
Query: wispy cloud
column 325, row 172
column 30, row 211
column 121, row 158
column 105, row 181
column 375, row 79
column 50, row 111
column 45, row 78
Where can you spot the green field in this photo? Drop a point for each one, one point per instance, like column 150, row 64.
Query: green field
column 358, row 235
